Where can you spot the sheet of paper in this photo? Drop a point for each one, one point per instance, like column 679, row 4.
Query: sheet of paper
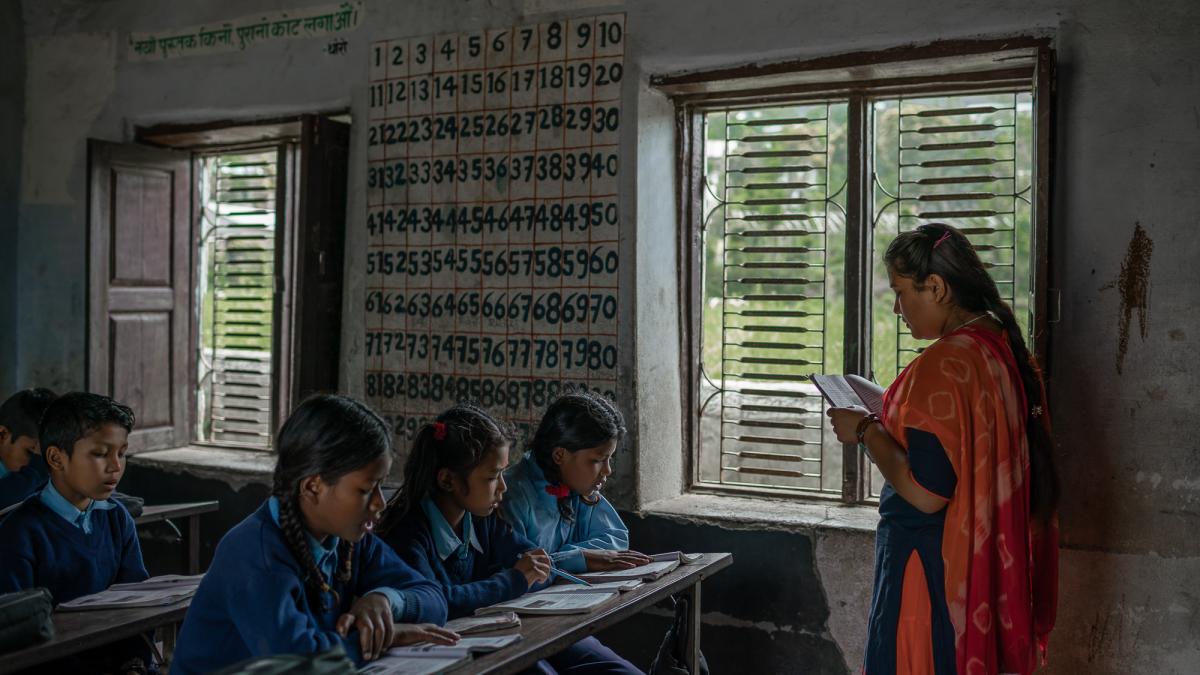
column 653, row 570
column 409, row 665
column 551, row 603
column 115, row 599
column 607, row 586
column 477, row 624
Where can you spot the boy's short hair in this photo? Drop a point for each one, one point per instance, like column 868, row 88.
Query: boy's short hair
column 73, row 416
column 22, row 412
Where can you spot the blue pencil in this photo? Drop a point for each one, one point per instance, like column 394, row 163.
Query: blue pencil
column 570, row 577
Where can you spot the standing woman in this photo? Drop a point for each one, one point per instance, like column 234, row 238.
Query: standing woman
column 966, row 556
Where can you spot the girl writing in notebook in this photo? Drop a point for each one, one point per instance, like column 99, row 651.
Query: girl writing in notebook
column 555, row 495
column 304, row 574
column 444, row 521
column 966, row 552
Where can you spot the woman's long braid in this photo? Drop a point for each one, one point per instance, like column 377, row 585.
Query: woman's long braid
column 937, row 248
column 346, row 557
column 296, row 537
column 1043, row 479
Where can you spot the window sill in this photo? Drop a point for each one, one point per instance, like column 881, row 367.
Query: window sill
column 236, row 467
column 765, row 513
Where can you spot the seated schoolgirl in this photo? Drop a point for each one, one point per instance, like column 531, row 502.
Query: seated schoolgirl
column 554, row 496
column 304, row 574
column 444, row 522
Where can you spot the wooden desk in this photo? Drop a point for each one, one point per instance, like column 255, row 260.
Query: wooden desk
column 544, row 636
column 75, row 632
column 191, row 511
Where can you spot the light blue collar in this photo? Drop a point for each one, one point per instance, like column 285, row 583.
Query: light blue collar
column 3, row 470
column 445, row 539
column 325, row 554
column 59, row 504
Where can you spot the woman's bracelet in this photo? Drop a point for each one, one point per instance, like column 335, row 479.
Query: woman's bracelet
column 861, row 429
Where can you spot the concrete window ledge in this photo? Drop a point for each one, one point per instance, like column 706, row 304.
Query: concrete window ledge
column 236, row 467
column 764, row 513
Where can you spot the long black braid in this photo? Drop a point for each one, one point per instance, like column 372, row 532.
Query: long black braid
column 917, row 254
column 327, row 436
column 575, row 421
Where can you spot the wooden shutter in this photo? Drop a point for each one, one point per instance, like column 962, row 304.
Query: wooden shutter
column 319, row 251
column 139, row 277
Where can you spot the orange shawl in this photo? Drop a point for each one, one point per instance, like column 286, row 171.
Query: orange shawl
column 1001, row 569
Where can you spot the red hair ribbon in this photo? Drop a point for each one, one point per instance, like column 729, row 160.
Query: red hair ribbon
column 944, row 237
column 558, row 491
column 439, row 431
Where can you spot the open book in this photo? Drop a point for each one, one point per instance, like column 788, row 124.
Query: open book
column 683, row 558
column 550, row 603
column 606, row 587
column 845, row 391
column 481, row 624
column 153, row 592
column 426, row 658
column 645, row 572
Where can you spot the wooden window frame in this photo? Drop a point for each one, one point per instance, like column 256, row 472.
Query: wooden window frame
column 309, row 253
column 968, row 66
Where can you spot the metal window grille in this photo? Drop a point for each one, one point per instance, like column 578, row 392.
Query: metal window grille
column 783, row 266
column 236, row 298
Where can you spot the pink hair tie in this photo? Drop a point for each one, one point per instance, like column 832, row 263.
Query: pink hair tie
column 944, row 237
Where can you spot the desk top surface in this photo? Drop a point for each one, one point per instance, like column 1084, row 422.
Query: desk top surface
column 544, row 635
column 157, row 512
column 79, row 631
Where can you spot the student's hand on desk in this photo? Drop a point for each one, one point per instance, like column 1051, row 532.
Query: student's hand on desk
column 845, row 422
column 603, row 561
column 371, row 615
column 535, row 565
column 412, row 633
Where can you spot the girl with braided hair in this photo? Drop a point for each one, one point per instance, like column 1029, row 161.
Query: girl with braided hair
column 304, row 574
column 966, row 558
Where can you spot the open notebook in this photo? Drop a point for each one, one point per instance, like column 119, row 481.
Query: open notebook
column 426, row 659
column 550, row 603
column 482, row 624
column 153, row 592
column 648, row 572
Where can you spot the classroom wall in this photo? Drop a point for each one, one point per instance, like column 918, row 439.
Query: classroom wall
column 1124, row 355
column 12, row 114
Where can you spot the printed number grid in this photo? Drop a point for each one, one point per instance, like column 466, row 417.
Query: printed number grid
column 492, row 219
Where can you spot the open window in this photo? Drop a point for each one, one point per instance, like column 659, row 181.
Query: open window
column 216, row 276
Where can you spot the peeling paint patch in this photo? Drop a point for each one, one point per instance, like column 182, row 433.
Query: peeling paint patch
column 1134, row 286
column 1190, row 484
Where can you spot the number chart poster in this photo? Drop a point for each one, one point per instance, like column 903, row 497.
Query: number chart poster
column 492, row 219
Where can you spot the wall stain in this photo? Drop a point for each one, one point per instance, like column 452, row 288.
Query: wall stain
column 1134, row 286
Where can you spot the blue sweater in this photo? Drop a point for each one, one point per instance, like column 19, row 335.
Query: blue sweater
column 39, row 548
column 534, row 513
column 253, row 601
column 16, row 486
column 479, row 578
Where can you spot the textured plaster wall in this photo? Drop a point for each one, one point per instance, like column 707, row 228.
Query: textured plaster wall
column 1124, row 355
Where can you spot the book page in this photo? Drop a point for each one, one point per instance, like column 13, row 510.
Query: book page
column 478, row 624
column 652, row 571
column 605, row 587
column 116, row 599
column 550, row 603
column 409, row 665
column 837, row 391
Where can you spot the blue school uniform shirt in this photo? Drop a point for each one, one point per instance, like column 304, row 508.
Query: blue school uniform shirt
column 48, row 542
column 17, row 486
column 474, row 570
column 534, row 514
column 253, row 601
